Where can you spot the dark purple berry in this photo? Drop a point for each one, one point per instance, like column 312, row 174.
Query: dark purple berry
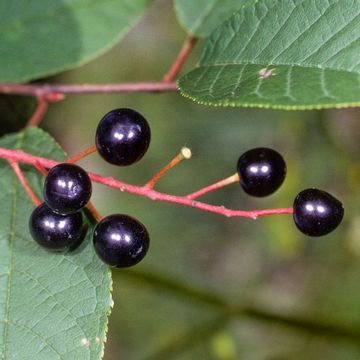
column 122, row 137
column 54, row 231
column 316, row 212
column 121, row 240
column 67, row 188
column 261, row 171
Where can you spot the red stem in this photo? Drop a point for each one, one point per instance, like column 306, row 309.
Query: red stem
column 20, row 156
column 39, row 112
column 20, row 176
column 94, row 211
column 41, row 89
column 81, row 155
column 42, row 106
column 185, row 51
column 41, row 169
column 185, row 153
column 218, row 185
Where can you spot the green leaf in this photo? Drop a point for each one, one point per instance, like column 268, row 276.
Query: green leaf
column 52, row 305
column 201, row 17
column 40, row 38
column 299, row 54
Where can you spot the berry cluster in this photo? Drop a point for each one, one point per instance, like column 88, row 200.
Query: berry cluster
column 122, row 138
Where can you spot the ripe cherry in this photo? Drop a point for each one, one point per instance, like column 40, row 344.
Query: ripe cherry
column 121, row 240
column 261, row 171
column 122, row 137
column 54, row 231
column 316, row 212
column 67, row 188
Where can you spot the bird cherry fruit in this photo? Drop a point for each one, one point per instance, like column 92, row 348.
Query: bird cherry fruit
column 67, row 188
column 316, row 212
column 122, row 137
column 261, row 171
column 55, row 231
column 120, row 240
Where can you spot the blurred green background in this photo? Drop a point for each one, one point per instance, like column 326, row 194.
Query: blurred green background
column 179, row 302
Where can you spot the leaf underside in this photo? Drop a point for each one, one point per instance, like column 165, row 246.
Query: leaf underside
column 52, row 305
column 298, row 54
column 40, row 38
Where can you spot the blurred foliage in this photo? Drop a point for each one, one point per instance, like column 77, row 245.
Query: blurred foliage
column 15, row 112
column 163, row 309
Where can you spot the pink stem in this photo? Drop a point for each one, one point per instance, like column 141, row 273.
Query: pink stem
column 81, row 155
column 42, row 106
column 185, row 153
column 41, row 89
column 184, row 53
column 20, row 156
column 21, row 177
column 94, row 211
column 218, row 185
column 39, row 112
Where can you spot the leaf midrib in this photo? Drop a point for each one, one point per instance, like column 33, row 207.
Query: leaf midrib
column 11, row 255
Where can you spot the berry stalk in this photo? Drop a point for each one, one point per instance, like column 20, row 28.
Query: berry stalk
column 81, row 155
column 184, row 53
column 218, row 185
column 184, row 154
column 15, row 166
column 23, row 157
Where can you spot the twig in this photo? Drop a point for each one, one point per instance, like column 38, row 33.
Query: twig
column 20, row 176
column 41, row 89
column 185, row 153
column 41, row 169
column 218, row 185
column 185, row 51
column 42, row 106
column 39, row 112
column 81, row 155
column 20, row 156
column 94, row 211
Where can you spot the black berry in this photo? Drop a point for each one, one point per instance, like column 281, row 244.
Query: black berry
column 316, row 212
column 261, row 171
column 121, row 240
column 67, row 188
column 54, row 231
column 122, row 137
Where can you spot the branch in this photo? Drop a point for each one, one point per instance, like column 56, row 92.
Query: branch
column 43, row 101
column 20, row 156
column 41, row 89
column 20, row 176
column 218, row 185
column 184, row 53
column 184, row 154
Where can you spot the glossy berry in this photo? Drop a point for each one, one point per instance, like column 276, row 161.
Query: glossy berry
column 261, row 171
column 67, row 188
column 316, row 212
column 122, row 137
column 54, row 231
column 121, row 240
